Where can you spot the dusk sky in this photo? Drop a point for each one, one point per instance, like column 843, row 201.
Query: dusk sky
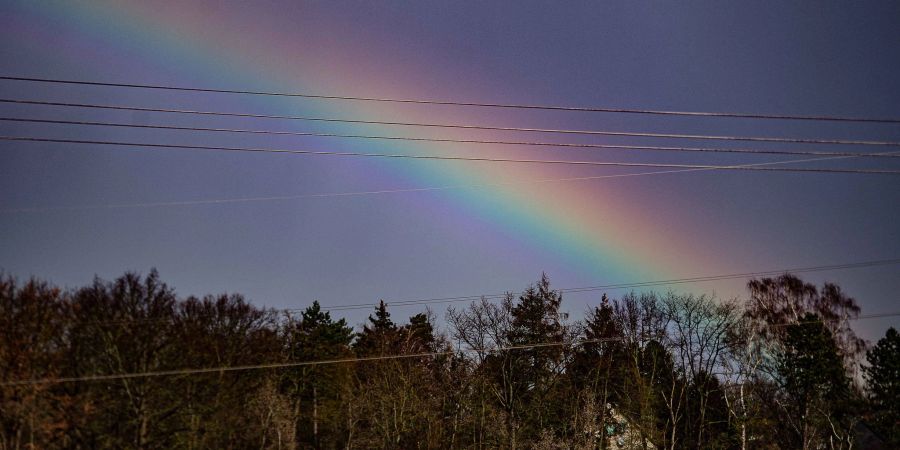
column 69, row 212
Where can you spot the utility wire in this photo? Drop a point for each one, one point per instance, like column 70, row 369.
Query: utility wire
column 163, row 373
column 856, row 265
column 383, row 191
column 456, row 103
column 327, row 194
column 429, row 301
column 463, row 126
column 466, row 298
column 446, row 158
column 458, row 141
column 282, row 365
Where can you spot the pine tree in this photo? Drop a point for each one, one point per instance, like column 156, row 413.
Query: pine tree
column 883, row 378
column 811, row 374
column 535, row 373
column 379, row 336
column 317, row 392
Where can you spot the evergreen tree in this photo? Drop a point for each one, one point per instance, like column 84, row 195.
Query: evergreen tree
column 536, row 372
column 883, row 378
column 816, row 388
column 419, row 334
column 649, row 372
column 379, row 336
column 594, row 373
column 318, row 392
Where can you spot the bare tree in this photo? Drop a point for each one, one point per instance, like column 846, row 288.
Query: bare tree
column 798, row 326
column 740, row 368
column 643, row 324
column 699, row 328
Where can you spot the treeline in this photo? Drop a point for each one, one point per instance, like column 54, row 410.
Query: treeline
column 782, row 369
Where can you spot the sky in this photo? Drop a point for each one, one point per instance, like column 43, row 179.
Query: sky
column 491, row 227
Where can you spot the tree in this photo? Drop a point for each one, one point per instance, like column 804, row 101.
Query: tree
column 777, row 302
column 518, row 384
column 699, row 327
column 643, row 371
column 594, row 372
column 220, row 331
column 883, row 382
column 317, row 393
column 743, row 384
column 125, row 326
column 399, row 400
column 816, row 388
column 32, row 324
column 646, row 369
column 479, row 331
column 379, row 336
column 536, row 372
column 794, row 325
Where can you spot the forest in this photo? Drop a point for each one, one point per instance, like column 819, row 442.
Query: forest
column 129, row 364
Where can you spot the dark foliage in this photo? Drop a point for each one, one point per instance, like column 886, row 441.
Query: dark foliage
column 883, row 377
column 642, row 371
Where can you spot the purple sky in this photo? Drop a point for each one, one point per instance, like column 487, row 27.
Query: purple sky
column 783, row 58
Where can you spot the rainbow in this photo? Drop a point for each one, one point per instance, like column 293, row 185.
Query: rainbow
column 594, row 227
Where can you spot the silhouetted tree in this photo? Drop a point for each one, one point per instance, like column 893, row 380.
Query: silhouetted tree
column 535, row 372
column 318, row 393
column 639, row 372
column 32, row 347
column 777, row 302
column 816, row 389
column 594, row 372
column 883, row 382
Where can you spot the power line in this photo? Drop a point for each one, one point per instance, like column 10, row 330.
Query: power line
column 451, row 299
column 856, row 265
column 384, row 191
column 163, row 373
column 581, row 289
column 389, row 191
column 325, row 194
column 447, row 158
column 282, row 365
column 458, row 141
column 463, row 126
column 878, row 316
column 456, row 103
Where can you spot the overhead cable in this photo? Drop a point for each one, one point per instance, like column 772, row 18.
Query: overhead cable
column 283, row 365
column 456, row 103
column 581, row 289
column 445, row 158
column 449, row 140
column 40, row 209
column 461, row 126
column 856, row 265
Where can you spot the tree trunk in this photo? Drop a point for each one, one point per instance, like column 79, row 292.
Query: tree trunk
column 315, row 418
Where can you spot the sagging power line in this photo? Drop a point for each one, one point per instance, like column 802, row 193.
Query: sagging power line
column 456, row 103
column 283, row 365
column 732, row 276
column 456, row 141
column 391, row 191
column 445, row 158
column 769, row 139
column 383, row 191
column 581, row 289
